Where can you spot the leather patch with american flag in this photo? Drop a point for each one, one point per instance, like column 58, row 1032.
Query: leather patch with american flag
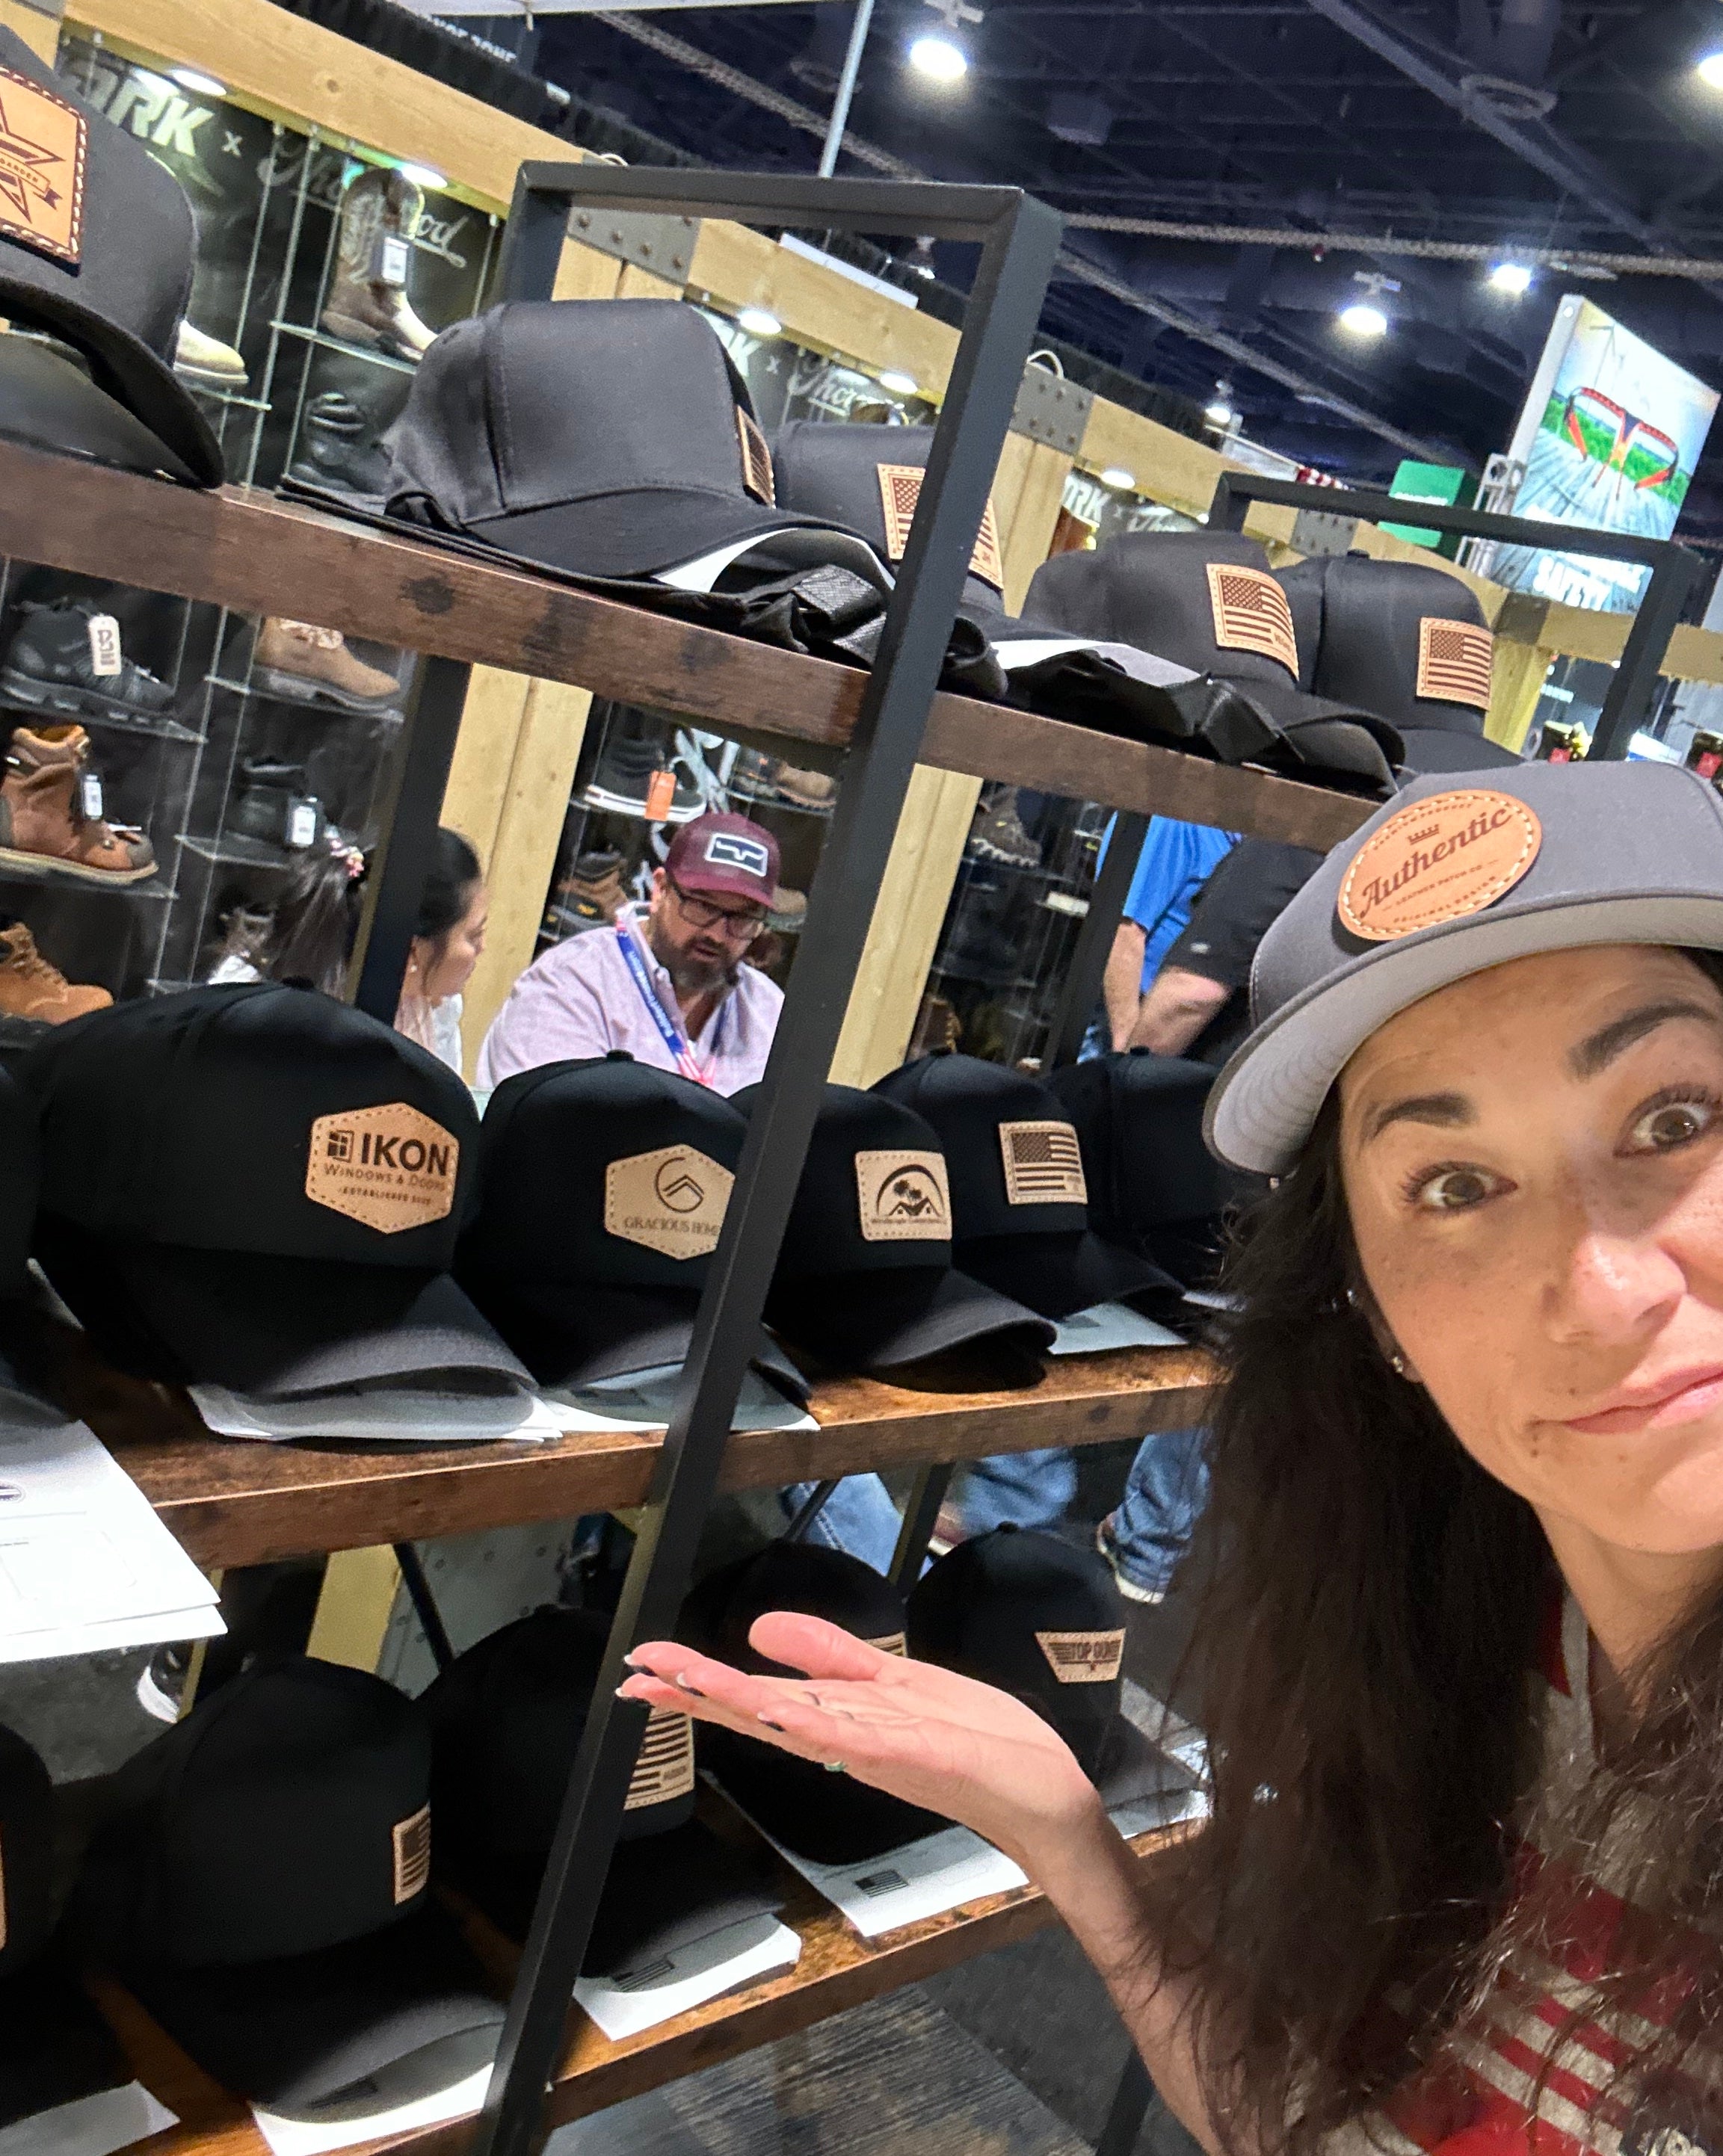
column 899, row 491
column 1043, row 1165
column 1252, row 614
column 1454, row 662
column 665, row 1768
column 756, row 474
column 1082, row 1657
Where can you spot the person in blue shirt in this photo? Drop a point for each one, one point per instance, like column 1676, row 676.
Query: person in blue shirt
column 1177, row 860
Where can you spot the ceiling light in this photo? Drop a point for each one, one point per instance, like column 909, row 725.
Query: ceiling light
column 759, row 323
column 899, row 384
column 423, row 176
column 1362, row 319
column 1116, row 475
column 938, row 58
column 1510, row 277
column 1710, row 70
column 201, row 85
column 1219, row 410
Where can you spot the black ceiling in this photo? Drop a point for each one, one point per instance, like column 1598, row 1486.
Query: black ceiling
column 1317, row 114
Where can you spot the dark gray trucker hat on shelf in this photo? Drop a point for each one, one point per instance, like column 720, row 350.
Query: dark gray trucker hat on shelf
column 1461, row 873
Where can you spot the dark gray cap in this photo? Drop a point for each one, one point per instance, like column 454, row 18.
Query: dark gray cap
column 1460, row 873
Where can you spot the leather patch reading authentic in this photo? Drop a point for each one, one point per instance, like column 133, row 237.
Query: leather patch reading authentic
column 904, row 1197
column 1083, row 1657
column 892, row 1643
column 411, row 1839
column 1455, row 662
column 391, row 1168
column 1438, row 860
column 671, row 1201
column 1252, row 614
column 1043, row 1165
column 41, row 152
column 899, row 491
column 756, row 474
column 665, row 1769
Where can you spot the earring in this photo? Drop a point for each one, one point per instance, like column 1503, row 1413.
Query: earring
column 1396, row 1363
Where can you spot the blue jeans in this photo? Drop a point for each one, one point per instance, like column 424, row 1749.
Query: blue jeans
column 1164, row 1497
column 1015, row 1489
column 858, row 1516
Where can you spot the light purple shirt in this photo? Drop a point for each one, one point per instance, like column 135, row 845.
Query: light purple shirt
column 580, row 998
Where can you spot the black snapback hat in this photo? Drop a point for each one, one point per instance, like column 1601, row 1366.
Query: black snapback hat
column 506, row 1718
column 1019, row 1195
column 605, row 1187
column 97, row 249
column 259, row 1187
column 1044, row 1621
column 263, row 1888
column 829, row 1819
column 864, row 1278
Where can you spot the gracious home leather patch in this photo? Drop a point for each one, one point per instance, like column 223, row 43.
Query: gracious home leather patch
column 43, row 141
column 1455, row 662
column 756, row 474
column 900, row 490
column 1083, row 1657
column 903, row 1196
column 1252, row 614
column 665, row 1768
column 671, row 1200
column 412, row 1840
column 390, row 1168
column 1043, row 1165
column 1439, row 859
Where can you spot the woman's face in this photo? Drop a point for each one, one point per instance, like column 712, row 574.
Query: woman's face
column 1533, row 1161
column 446, row 965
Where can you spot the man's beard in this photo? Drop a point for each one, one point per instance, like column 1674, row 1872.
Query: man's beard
column 690, row 976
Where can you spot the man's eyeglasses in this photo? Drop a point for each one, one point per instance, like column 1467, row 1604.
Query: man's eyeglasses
column 702, row 913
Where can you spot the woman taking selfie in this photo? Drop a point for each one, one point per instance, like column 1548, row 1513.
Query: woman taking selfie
column 1461, row 1623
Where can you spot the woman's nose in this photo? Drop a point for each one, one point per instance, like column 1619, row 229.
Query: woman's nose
column 1615, row 1283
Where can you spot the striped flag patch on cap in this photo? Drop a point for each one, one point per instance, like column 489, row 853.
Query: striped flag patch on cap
column 1043, row 1165
column 899, row 491
column 1082, row 1657
column 1454, row 662
column 756, row 460
column 1252, row 614
column 665, row 1768
column 412, row 1854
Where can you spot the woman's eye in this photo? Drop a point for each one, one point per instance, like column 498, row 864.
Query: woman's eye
column 1674, row 1123
column 1451, row 1189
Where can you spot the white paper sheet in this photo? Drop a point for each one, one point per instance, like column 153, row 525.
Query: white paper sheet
column 924, row 1878
column 299, row 2136
column 89, row 2125
column 644, row 1399
column 386, row 1416
column 1168, row 1809
column 1015, row 653
column 1110, row 1325
column 741, row 1954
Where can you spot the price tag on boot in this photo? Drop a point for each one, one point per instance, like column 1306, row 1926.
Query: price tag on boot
column 105, row 653
column 302, row 824
column 388, row 265
column 90, row 793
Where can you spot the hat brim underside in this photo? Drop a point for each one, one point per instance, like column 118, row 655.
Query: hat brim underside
column 879, row 1321
column 646, row 532
column 1434, row 749
column 828, row 1819
column 47, row 404
column 1060, row 1275
column 294, row 2035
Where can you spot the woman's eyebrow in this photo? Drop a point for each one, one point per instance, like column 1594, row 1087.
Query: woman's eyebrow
column 1599, row 1049
column 1448, row 1111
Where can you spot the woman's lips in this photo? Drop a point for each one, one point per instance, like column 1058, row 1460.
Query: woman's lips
column 1685, row 1396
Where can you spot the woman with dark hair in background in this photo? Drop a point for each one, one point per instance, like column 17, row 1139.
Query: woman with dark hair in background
column 447, row 944
column 1460, row 1627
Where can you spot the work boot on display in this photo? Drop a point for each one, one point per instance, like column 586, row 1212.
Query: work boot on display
column 310, row 665
column 368, row 301
column 594, row 886
column 205, row 361
column 66, row 658
column 30, row 987
column 339, row 448
column 997, row 834
column 51, row 824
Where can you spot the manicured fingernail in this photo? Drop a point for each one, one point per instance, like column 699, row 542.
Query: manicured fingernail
column 692, row 1691
column 767, row 1720
column 629, row 1662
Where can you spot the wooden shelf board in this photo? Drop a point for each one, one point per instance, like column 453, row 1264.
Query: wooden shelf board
column 247, row 549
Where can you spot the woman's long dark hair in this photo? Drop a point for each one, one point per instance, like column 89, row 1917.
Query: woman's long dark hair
column 1372, row 1607
column 450, row 882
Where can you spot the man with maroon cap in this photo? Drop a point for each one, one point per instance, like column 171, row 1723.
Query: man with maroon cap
column 667, row 983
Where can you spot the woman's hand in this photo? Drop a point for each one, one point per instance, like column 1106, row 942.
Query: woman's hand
column 924, row 1734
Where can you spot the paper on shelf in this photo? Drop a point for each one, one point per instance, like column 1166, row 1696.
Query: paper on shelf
column 644, row 1399
column 1107, row 1324
column 925, row 1878
column 624, row 2004
column 1169, row 1808
column 89, row 2125
column 386, row 1416
column 301, row 2137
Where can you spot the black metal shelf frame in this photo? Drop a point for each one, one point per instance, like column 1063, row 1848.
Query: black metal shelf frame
column 1018, row 238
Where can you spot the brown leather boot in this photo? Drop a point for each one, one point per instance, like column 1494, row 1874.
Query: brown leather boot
column 30, row 987
column 296, row 659
column 44, row 830
column 368, row 301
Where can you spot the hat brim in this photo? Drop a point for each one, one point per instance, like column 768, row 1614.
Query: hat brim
column 296, row 2035
column 48, row 403
column 1269, row 1094
column 1060, row 1275
column 651, row 531
column 1440, row 749
column 828, row 1819
column 55, row 2047
column 879, row 1321
column 271, row 1328
column 132, row 375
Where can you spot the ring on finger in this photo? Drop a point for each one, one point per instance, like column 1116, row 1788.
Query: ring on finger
column 836, row 1767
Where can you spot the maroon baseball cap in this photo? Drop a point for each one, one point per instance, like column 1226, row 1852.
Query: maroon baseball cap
column 726, row 857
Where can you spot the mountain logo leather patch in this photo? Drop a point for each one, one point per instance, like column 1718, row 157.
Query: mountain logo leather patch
column 671, row 1201
column 1083, row 1657
column 42, row 141
column 390, row 1168
column 1438, row 860
column 665, row 1769
column 899, row 491
column 1043, row 1165
column 1455, row 662
column 1252, row 614
column 412, row 1841
column 904, row 1197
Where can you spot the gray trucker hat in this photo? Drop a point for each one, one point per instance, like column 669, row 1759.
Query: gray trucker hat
column 1460, row 873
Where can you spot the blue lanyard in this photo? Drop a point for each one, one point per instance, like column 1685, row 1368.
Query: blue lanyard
column 679, row 1049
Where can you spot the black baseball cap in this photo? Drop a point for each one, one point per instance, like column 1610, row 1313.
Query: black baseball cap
column 1019, row 1195
column 599, row 438
column 829, row 1819
column 260, row 1187
column 262, row 1885
column 1154, row 1185
column 507, row 1719
column 864, row 1278
column 1462, row 873
column 1045, row 1621
column 97, row 249
column 1410, row 643
column 605, row 1187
